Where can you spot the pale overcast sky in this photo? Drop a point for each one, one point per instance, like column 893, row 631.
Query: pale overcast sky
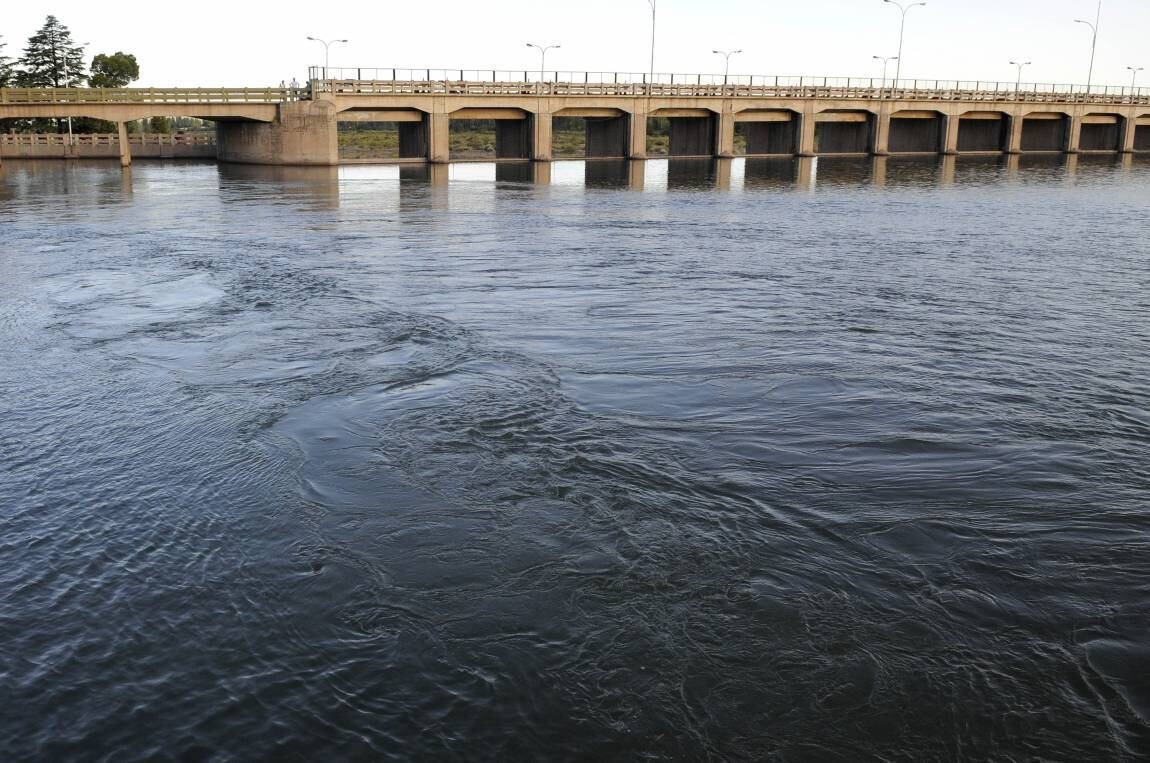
column 210, row 42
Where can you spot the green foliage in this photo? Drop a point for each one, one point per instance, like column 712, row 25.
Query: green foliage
column 159, row 125
column 5, row 66
column 51, row 58
column 116, row 70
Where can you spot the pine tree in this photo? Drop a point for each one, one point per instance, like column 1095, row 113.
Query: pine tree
column 5, row 66
column 51, row 58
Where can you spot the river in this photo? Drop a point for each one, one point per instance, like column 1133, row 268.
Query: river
column 840, row 460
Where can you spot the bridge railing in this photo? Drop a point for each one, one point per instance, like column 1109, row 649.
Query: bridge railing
column 152, row 95
column 495, row 82
column 107, row 139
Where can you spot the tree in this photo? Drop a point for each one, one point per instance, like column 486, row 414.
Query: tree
column 159, row 125
column 5, row 66
column 51, row 58
column 115, row 70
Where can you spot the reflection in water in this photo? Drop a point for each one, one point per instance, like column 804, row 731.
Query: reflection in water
column 318, row 186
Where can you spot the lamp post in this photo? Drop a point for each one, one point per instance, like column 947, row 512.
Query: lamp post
column 543, row 56
column 885, row 62
column 726, row 54
column 651, row 75
column 901, row 33
column 1021, row 65
column 326, row 52
column 1134, row 75
column 1093, row 43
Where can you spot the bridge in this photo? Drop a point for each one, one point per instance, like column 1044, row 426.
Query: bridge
column 778, row 116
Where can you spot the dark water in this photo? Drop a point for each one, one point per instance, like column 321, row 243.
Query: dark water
column 764, row 462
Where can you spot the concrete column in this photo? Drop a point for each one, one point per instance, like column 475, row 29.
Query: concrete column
column 1014, row 145
column 882, row 133
column 541, row 143
column 125, row 149
column 725, row 134
column 638, row 141
column 439, row 138
column 807, row 132
column 950, row 146
column 1074, row 134
column 1129, row 129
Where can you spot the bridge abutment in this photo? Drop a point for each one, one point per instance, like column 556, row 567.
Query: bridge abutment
column 304, row 133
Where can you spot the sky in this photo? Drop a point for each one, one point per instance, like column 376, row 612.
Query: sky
column 257, row 43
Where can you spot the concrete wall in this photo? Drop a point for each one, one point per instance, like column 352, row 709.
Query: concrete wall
column 304, row 133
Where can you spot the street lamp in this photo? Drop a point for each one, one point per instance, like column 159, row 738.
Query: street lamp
column 651, row 79
column 1134, row 75
column 727, row 55
column 1094, row 42
column 543, row 56
column 885, row 62
column 901, row 33
column 326, row 52
column 1021, row 65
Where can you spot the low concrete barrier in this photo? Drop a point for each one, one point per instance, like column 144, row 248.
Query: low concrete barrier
column 106, row 146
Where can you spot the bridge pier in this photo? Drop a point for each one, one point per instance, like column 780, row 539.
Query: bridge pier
column 1014, row 141
column 725, row 133
column 638, row 137
column 125, row 148
column 881, row 124
column 539, row 135
column 304, row 133
column 1129, row 135
column 439, row 138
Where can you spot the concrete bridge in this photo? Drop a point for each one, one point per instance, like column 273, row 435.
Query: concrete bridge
column 778, row 116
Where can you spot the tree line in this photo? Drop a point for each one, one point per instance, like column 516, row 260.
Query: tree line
column 51, row 58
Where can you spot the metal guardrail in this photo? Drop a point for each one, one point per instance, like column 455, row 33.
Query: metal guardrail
column 495, row 82
column 152, row 95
